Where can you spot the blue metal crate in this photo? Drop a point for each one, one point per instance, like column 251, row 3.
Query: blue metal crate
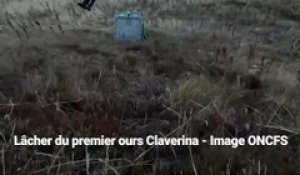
column 129, row 26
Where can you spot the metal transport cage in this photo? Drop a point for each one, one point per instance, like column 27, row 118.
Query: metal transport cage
column 129, row 26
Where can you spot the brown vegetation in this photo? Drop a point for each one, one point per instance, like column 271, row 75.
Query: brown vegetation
column 228, row 69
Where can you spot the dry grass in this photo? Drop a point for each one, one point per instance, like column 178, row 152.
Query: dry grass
column 62, row 73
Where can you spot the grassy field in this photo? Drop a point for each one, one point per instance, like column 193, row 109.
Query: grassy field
column 208, row 67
